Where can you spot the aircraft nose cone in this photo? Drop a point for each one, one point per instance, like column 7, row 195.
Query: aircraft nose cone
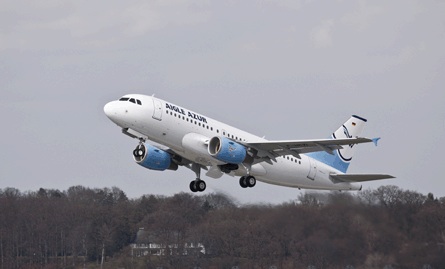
column 111, row 110
column 108, row 110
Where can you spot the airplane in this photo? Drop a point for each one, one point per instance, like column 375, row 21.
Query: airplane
column 171, row 136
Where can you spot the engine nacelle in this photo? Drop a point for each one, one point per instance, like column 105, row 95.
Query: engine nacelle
column 153, row 158
column 227, row 150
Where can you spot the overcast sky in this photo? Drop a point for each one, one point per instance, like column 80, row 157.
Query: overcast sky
column 283, row 69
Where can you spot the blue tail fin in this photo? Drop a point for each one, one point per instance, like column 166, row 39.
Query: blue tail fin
column 341, row 158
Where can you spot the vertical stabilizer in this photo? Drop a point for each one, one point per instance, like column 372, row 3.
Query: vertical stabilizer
column 341, row 158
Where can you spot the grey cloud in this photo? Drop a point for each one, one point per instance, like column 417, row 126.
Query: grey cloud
column 251, row 64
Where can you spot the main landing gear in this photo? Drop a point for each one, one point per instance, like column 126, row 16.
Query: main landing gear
column 247, row 181
column 197, row 185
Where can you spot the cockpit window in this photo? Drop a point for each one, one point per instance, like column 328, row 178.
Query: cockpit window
column 134, row 101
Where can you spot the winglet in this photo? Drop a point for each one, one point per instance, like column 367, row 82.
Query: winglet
column 376, row 140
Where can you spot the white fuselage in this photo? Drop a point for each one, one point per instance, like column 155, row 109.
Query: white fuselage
column 170, row 125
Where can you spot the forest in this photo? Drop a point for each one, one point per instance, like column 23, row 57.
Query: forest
column 96, row 228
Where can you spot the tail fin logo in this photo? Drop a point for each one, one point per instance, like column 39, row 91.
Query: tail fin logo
column 350, row 129
column 342, row 157
column 346, row 132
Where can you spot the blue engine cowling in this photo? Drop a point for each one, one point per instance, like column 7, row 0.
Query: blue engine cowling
column 153, row 158
column 227, row 150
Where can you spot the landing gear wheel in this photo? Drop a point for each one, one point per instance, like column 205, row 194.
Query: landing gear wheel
column 193, row 186
column 247, row 181
column 201, row 186
column 243, row 182
column 139, row 151
column 197, row 186
column 250, row 181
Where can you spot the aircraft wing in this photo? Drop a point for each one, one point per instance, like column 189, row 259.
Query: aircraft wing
column 337, row 178
column 272, row 149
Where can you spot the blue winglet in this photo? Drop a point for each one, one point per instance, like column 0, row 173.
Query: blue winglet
column 375, row 140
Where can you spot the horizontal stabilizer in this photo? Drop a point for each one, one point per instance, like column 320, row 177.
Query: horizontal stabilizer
column 376, row 140
column 337, row 178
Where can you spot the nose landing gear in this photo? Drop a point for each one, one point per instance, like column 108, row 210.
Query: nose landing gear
column 139, row 151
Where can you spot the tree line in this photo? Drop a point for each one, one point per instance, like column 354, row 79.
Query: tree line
column 93, row 228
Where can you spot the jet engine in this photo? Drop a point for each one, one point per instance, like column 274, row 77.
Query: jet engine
column 153, row 158
column 227, row 150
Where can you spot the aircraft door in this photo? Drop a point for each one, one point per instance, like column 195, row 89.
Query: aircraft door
column 157, row 109
column 312, row 169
